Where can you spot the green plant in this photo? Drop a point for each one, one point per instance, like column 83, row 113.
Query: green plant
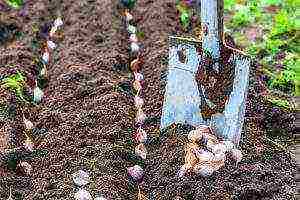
column 184, row 14
column 17, row 4
column 16, row 84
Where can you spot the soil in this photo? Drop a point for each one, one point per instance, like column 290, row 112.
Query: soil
column 90, row 124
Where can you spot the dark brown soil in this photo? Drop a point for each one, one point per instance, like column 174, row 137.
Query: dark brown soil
column 90, row 124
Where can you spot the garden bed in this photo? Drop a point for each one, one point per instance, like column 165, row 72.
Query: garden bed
column 89, row 123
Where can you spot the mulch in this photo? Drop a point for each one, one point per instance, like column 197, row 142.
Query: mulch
column 90, row 124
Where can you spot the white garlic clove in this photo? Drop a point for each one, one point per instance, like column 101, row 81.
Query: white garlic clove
column 237, row 155
column 58, row 22
column 138, row 102
column 140, row 117
column 37, row 94
column 134, row 47
column 28, row 144
column 82, row 194
column 136, row 172
column 81, row 178
column 133, row 38
column 141, row 151
column 45, row 57
column 140, row 136
column 131, row 29
column 138, row 76
column 51, row 44
column 28, row 124
column 128, row 16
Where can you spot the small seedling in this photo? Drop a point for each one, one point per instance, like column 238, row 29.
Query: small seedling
column 16, row 84
column 16, row 4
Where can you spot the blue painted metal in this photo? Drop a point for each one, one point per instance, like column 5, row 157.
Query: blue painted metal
column 182, row 98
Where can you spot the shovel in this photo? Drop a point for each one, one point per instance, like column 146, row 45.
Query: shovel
column 187, row 97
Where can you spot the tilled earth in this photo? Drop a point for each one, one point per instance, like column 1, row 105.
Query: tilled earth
column 90, row 123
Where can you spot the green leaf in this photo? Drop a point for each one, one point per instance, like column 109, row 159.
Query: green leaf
column 17, row 4
column 15, row 83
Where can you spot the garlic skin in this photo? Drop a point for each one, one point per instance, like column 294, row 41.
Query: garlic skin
column 82, row 194
column 131, row 29
column 229, row 145
column 45, row 57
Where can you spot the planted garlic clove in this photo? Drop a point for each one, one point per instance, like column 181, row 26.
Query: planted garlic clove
column 52, row 31
column 58, row 22
column 137, row 85
column 134, row 47
column 140, row 150
column 135, row 65
column 131, row 29
column 138, row 102
column 138, row 76
column 81, row 178
column 25, row 168
column 37, row 95
column 28, row 144
column 128, row 16
column 45, row 57
column 237, row 155
column 82, row 194
column 136, row 172
column 140, row 136
column 133, row 38
column 140, row 117
column 28, row 124
column 51, row 45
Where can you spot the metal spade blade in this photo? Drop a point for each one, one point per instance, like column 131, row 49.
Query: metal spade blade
column 183, row 97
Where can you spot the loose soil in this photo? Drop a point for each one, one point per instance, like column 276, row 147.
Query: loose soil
column 90, row 123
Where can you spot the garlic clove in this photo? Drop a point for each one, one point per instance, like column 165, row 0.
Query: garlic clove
column 81, row 178
column 140, row 116
column 140, row 136
column 237, row 155
column 28, row 124
column 133, row 38
column 45, row 57
column 203, row 170
column 136, row 172
column 37, row 94
column 58, row 22
column 138, row 76
column 138, row 102
column 140, row 150
column 82, row 194
column 51, row 44
column 28, row 144
column 134, row 47
column 131, row 29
